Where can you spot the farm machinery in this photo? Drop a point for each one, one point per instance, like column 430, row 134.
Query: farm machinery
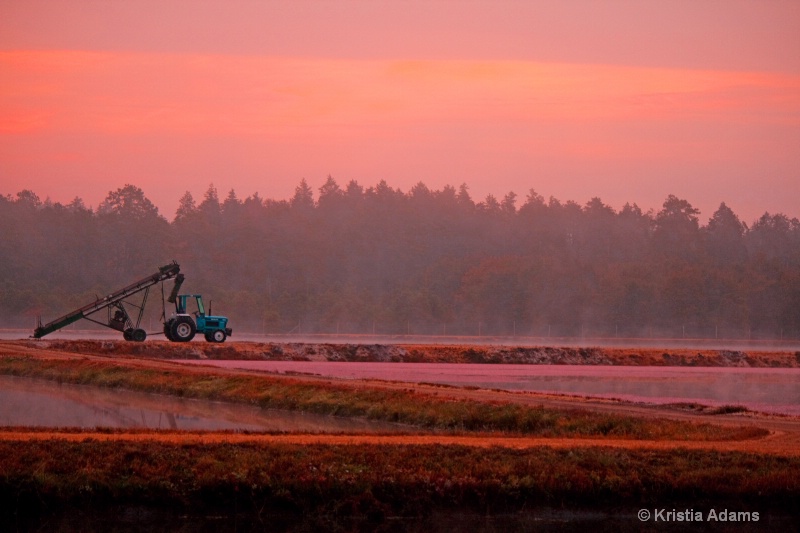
column 124, row 312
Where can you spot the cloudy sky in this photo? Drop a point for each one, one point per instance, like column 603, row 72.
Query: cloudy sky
column 629, row 101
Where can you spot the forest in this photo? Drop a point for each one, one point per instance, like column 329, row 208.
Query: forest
column 360, row 260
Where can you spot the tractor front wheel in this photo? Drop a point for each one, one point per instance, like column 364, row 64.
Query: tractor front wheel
column 216, row 336
column 183, row 329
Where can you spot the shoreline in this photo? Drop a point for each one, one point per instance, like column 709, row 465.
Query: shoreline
column 425, row 353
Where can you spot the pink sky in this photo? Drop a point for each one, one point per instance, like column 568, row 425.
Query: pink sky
column 628, row 101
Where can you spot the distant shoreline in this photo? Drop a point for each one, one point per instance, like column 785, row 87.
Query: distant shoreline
column 408, row 351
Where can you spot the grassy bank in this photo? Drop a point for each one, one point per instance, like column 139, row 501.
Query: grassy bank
column 356, row 400
column 430, row 353
column 382, row 480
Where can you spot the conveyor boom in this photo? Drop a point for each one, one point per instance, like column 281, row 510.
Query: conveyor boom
column 114, row 299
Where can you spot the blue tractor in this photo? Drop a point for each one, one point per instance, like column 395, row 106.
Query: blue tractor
column 182, row 327
column 125, row 311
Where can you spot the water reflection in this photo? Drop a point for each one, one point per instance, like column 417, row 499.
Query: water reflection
column 773, row 390
column 37, row 402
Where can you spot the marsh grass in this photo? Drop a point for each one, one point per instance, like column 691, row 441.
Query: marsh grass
column 382, row 479
column 403, row 406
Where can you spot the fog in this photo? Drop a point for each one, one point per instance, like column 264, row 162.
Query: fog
column 350, row 261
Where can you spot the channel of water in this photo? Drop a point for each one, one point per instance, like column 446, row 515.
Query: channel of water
column 772, row 390
column 43, row 403
column 36, row 402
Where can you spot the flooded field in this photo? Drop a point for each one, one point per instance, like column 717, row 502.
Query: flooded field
column 36, row 402
column 772, row 390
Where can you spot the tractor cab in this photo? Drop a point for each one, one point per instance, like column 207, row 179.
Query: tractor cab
column 180, row 304
column 183, row 327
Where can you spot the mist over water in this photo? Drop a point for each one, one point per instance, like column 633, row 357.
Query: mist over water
column 773, row 390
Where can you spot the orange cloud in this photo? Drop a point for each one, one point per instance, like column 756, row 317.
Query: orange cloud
column 240, row 95
column 496, row 108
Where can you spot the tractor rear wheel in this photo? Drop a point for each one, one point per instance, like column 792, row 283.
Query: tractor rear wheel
column 168, row 330
column 183, row 329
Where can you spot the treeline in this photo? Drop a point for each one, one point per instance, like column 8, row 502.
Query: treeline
column 361, row 260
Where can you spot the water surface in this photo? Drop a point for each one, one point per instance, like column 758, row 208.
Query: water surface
column 774, row 390
column 38, row 402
